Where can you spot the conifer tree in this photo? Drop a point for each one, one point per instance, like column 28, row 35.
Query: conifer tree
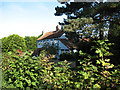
column 103, row 13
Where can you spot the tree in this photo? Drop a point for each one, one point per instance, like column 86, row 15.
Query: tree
column 40, row 35
column 13, row 42
column 106, row 17
column 31, row 42
column 4, row 44
column 101, row 12
column 79, row 28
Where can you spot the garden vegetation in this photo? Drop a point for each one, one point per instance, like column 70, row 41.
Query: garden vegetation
column 26, row 72
column 98, row 62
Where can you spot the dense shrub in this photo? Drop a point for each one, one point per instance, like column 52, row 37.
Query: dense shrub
column 27, row 72
column 100, row 75
column 40, row 73
column 13, row 42
column 22, row 71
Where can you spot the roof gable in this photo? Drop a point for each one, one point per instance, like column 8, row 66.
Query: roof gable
column 67, row 43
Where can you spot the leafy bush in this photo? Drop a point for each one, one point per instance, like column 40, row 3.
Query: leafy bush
column 13, row 42
column 39, row 73
column 27, row 72
column 101, row 75
column 54, row 75
column 22, row 71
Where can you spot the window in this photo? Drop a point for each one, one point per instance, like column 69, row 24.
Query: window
column 56, row 44
column 39, row 43
column 56, row 41
column 67, row 51
column 47, row 42
column 62, row 51
column 51, row 42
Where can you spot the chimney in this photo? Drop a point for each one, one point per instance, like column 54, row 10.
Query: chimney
column 42, row 32
column 57, row 27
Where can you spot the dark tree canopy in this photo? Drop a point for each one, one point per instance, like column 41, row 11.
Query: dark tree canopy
column 96, row 10
column 102, row 13
column 79, row 28
column 105, row 15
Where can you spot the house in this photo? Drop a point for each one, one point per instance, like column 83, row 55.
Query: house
column 56, row 38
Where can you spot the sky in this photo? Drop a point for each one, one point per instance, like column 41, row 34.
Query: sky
column 28, row 18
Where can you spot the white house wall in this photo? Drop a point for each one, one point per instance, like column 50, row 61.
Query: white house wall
column 50, row 41
column 62, row 46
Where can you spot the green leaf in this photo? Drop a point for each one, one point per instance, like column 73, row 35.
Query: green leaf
column 20, row 64
column 32, row 70
column 107, row 60
column 10, row 80
column 98, row 62
column 13, row 65
column 96, row 86
column 34, row 83
column 29, row 82
column 28, row 72
column 10, row 53
column 27, row 88
column 36, row 68
column 78, row 85
column 94, row 67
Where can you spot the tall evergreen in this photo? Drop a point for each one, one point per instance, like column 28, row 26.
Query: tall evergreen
column 105, row 15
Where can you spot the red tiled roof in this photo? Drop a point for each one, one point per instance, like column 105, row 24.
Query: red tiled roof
column 53, row 34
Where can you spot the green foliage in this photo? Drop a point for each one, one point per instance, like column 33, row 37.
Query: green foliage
column 13, row 42
column 22, row 71
column 101, row 75
column 31, row 42
column 106, row 19
column 79, row 28
column 25, row 72
column 4, row 44
column 86, row 74
column 5, row 61
column 104, row 14
column 55, row 75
